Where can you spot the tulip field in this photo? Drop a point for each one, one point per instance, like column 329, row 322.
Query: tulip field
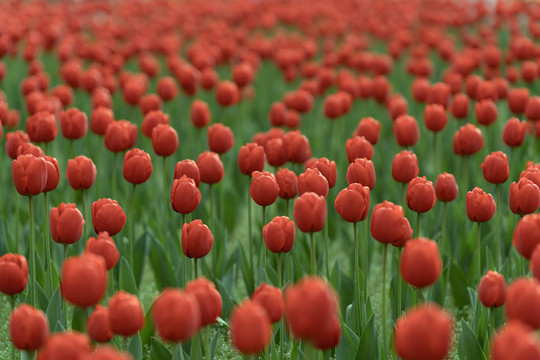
column 273, row 179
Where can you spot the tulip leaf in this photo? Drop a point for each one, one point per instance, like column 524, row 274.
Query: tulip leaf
column 348, row 345
column 369, row 347
column 78, row 320
column 213, row 344
column 54, row 309
column 247, row 273
column 158, row 351
column 41, row 298
column 458, row 282
column 127, row 281
column 135, row 347
column 163, row 271
column 226, row 297
column 140, row 251
column 468, row 345
column 148, row 330
column 59, row 327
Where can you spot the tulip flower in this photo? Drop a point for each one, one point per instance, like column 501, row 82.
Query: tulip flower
column 98, row 325
column 81, row 173
column 74, row 124
column 149, row 102
column 297, row 148
column 41, row 127
column 13, row 274
column 358, row 147
column 208, row 298
column 210, row 167
column 492, row 290
column 517, row 100
column 513, row 133
column 405, row 166
column 28, row 328
column 14, row 140
column 406, row 131
column 220, row 138
column 361, row 171
column 420, row 264
column 271, row 299
column 100, row 118
column 104, row 246
column 83, row 280
column 313, row 181
column 532, row 109
column 420, row 197
column 164, row 140
column 166, row 88
column 66, row 224
column 227, row 93
column 251, row 330
column 197, row 241
column 527, row 235
column 424, row 332
column 327, row 168
column 120, row 135
column 176, row 315
column 524, row 197
column 370, row 129
column 523, row 301
column 486, row 112
column 107, row 215
column 153, row 119
column 125, row 314
column 515, row 341
column 65, row 345
column 200, row 114
column 275, row 152
column 460, row 106
column 189, row 168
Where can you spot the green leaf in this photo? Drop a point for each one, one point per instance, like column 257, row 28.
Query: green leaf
column 228, row 302
column 78, row 321
column 213, row 345
column 369, row 347
column 158, row 351
column 161, row 266
column 135, row 347
column 148, row 330
column 468, row 346
column 140, row 251
column 54, row 309
column 348, row 345
column 458, row 282
column 127, row 280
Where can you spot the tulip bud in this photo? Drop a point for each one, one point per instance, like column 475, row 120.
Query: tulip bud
column 164, row 140
column 29, row 174
column 13, row 274
column 176, row 315
column 28, row 328
column 405, row 166
column 220, row 138
column 527, row 235
column 200, row 114
column 524, row 197
column 327, row 168
column 84, row 280
column 98, row 325
column 185, row 196
column 513, row 133
column 361, row 171
column 137, row 166
column 271, row 299
column 310, row 212
column 65, row 345
column 251, row 157
column 279, row 234
column 208, row 298
column 104, row 246
column 66, row 223
column 523, row 302
column 41, row 127
column 495, row 168
column 515, row 341
column 189, row 168
column 100, row 118
column 264, row 188
column 210, row 167
column 197, row 239
column 479, row 205
column 73, row 123
column 227, row 93
column 517, row 100
column 352, row 203
column 468, row 140
column 14, row 140
column 420, row 195
column 108, row 215
column 297, row 148
column 406, row 131
column 420, row 263
column 358, row 147
column 492, row 290
column 53, row 174
column 370, row 129
column 460, row 106
column 125, row 314
column 446, row 188
column 389, row 224
column 251, row 330
column 81, row 172
column 313, row 181
column 120, row 135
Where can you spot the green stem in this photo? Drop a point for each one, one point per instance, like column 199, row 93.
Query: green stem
column 32, row 253
column 131, row 240
column 313, row 256
column 196, row 269
column 419, row 296
column 356, row 274
column 417, row 225
column 383, row 310
column 165, row 190
column 64, row 302
column 184, row 269
column 12, row 298
column 327, row 253
column 262, row 245
column 498, row 235
column 111, row 282
column 281, row 324
column 250, row 255
column 126, row 343
column 48, row 247
column 113, row 176
column 365, row 244
column 479, row 258
column 465, row 167
column 83, row 201
column 287, row 202
column 443, row 233
column 399, row 285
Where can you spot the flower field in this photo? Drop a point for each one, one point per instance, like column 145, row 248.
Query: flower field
column 269, row 180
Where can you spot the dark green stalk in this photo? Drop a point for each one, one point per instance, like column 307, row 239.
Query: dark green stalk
column 417, row 225
column 48, row 247
column 313, row 256
column 131, row 240
column 383, row 310
column 498, row 235
column 12, row 298
column 327, row 260
column 263, row 245
column 184, row 269
column 250, row 255
column 479, row 259
column 32, row 253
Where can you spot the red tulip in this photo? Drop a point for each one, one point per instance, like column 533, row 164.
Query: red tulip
column 420, row 263
column 405, row 166
column 468, row 140
column 120, row 135
column 227, row 93
column 279, row 234
column 370, row 129
column 166, row 88
column 185, row 196
column 446, row 188
column 153, row 119
column 495, row 167
column 107, row 215
column 29, row 174
column 389, row 224
column 189, row 168
column 327, row 169
column 523, row 302
column 271, row 299
column 515, row 341
column 220, row 138
column 288, row 183
column 358, row 147
column 492, row 290
column 197, row 239
column 14, row 140
column 264, row 188
column 419, row 88
column 313, row 181
column 98, row 325
column 277, row 114
column 297, row 148
column 480, row 206
column 149, row 102
column 524, row 197
column 361, row 171
column 73, row 123
column 81, row 173
column 532, row 172
column 66, row 223
column 435, row 117
column 251, row 157
column 84, row 280
column 101, row 97
column 200, row 114
column 65, row 346
column 517, row 100
column 513, row 133
column 104, row 246
column 210, row 167
column 352, row 203
column 100, row 118
column 310, row 212
column 438, row 93
column 424, row 332
column 406, row 131
column 532, row 110
column 176, row 315
column 275, row 152
column 41, row 127
column 486, row 112
column 527, row 235
column 137, row 166
column 251, row 330
column 164, row 140
column 125, row 314
column 28, row 328
column 13, row 274
column 460, row 106
column 208, row 298
column 30, row 149
column 53, row 174
column 243, row 74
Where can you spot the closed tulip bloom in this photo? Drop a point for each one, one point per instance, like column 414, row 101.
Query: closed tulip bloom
column 210, row 167
column 532, row 110
column 13, row 274
column 327, row 169
column 264, row 188
column 517, row 100
column 435, row 117
column 420, row 195
column 279, row 234
column 332, row 107
column 358, row 147
column 98, row 325
column 352, row 203
column 137, row 166
column 53, row 174
column 65, row 346
column 209, row 78
column 176, row 315
column 185, row 196
column 152, row 119
column 14, row 140
column 149, row 102
column 288, row 183
column 369, row 128
column 164, row 140
column 446, row 188
column 513, row 133
column 532, row 172
column 310, row 212
column 389, row 224
column 220, row 138
column 197, row 239
column 405, row 166
column 312, row 181
column 523, row 302
column 406, row 131
column 460, row 106
column 534, row 264
column 66, row 223
column 527, row 235
column 419, row 88
column 200, row 114
column 271, row 299
column 486, row 112
column 251, row 157
column 492, row 290
column 81, row 173
column 125, row 314
column 166, row 88
column 120, row 136
column 208, row 298
column 73, row 123
column 28, row 328
column 227, row 93
column 310, row 307
column 108, row 215
column 100, row 118
column 84, row 280
column 297, row 148
column 515, row 341
column 251, row 330
column 189, row 168
column 479, row 205
column 277, row 114
column 41, row 127
column 30, row 149
column 495, row 168
column 468, row 140
column 243, row 74
column 420, row 263
column 524, row 197
column 361, row 171
column 424, row 332
column 29, row 174
column 104, row 246
column 275, row 152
